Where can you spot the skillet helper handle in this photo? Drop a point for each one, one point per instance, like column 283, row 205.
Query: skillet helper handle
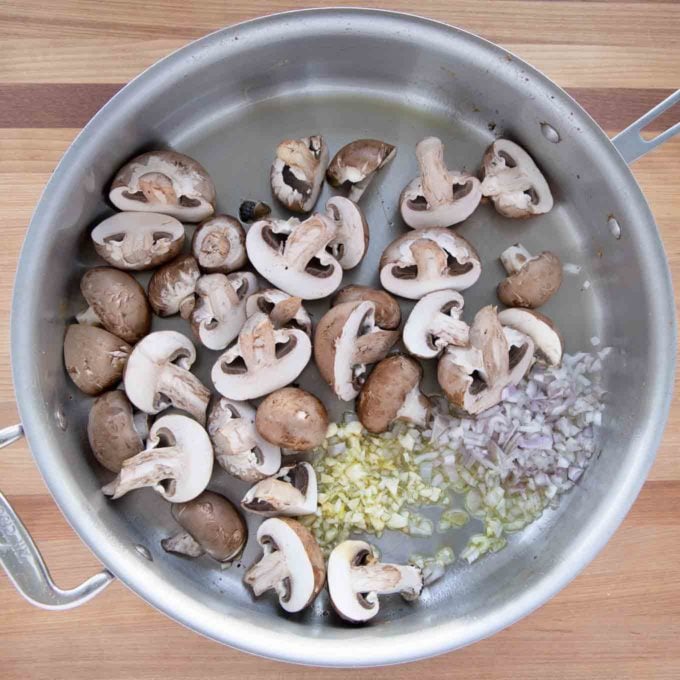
column 631, row 144
column 23, row 563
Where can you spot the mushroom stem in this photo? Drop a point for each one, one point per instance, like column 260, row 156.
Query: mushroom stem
column 182, row 543
column 184, row 391
column 186, row 306
column 269, row 573
column 430, row 258
column 258, row 346
column 285, row 311
column 357, row 190
column 384, row 579
column 88, row 317
column 305, row 243
column 157, row 187
column 436, row 183
column 514, row 258
column 448, row 330
column 415, row 408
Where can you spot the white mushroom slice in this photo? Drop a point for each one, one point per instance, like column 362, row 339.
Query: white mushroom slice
column 439, row 197
column 435, row 323
column 262, row 360
column 177, row 462
column 426, row 260
column 298, row 171
column 292, row 564
column 356, row 579
column 172, row 288
column 157, row 375
column 285, row 311
column 356, row 164
column 220, row 310
column 292, row 255
column 239, row 448
column 138, row 240
column 219, row 244
column 164, row 182
column 290, row 492
column 513, row 182
column 350, row 242
column 346, row 341
column 547, row 339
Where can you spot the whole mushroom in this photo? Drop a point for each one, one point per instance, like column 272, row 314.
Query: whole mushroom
column 211, row 525
column 172, row 288
column 290, row 492
column 298, row 171
column 356, row 580
column 350, row 242
column 293, row 419
column 284, row 311
column 292, row 564
column 116, row 302
column 219, row 245
column 138, row 240
column 164, row 182
column 439, row 197
column 177, row 462
column 547, row 339
column 387, row 310
column 532, row 280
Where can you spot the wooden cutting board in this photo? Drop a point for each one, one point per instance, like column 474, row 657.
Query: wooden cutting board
column 59, row 62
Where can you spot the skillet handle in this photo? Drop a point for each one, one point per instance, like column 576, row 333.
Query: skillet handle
column 23, row 563
column 630, row 143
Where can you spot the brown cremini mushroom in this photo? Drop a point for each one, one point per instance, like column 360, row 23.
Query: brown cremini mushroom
column 172, row 288
column 387, row 310
column 532, row 280
column 219, row 245
column 290, row 492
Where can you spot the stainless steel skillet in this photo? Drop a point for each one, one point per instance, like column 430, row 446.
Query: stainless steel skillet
column 226, row 100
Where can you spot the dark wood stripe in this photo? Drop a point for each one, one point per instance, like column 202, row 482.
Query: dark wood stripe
column 72, row 105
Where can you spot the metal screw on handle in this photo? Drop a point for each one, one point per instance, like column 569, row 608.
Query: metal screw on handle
column 23, row 563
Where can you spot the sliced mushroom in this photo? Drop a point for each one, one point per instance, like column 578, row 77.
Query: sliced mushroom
column 239, row 447
column 548, row 342
column 435, row 323
column 211, row 525
column 115, row 433
column 356, row 579
column 350, row 242
column 298, row 170
column 355, row 165
column 94, row 358
column 219, row 245
column 392, row 392
column 164, row 182
column 172, row 288
column 292, row 564
column 220, row 310
column 116, row 302
column 292, row 255
column 250, row 211
column 157, row 376
column 138, row 240
column 387, row 310
column 439, row 197
column 285, row 311
column 346, row 341
column 532, row 280
column 426, row 260
column 290, row 492
column 513, row 182
column 177, row 462
column 261, row 360
column 293, row 419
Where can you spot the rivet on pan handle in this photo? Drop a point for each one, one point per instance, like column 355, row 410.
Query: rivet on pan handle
column 23, row 563
column 630, row 143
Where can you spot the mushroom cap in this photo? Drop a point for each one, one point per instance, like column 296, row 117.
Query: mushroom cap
column 292, row 491
column 118, row 301
column 392, row 392
column 387, row 310
column 219, row 244
column 262, row 360
column 292, row 255
column 113, row 431
column 214, row 523
column 434, row 323
column 534, row 284
column 293, row 419
column 138, row 240
column 164, row 182
column 285, row 311
column 304, row 563
column 220, row 309
column 94, row 358
column 239, row 447
column 298, row 171
column 350, row 242
column 513, row 181
column 547, row 339
column 172, row 287
column 426, row 260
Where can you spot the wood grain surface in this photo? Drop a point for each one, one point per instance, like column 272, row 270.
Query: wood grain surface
column 59, row 62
